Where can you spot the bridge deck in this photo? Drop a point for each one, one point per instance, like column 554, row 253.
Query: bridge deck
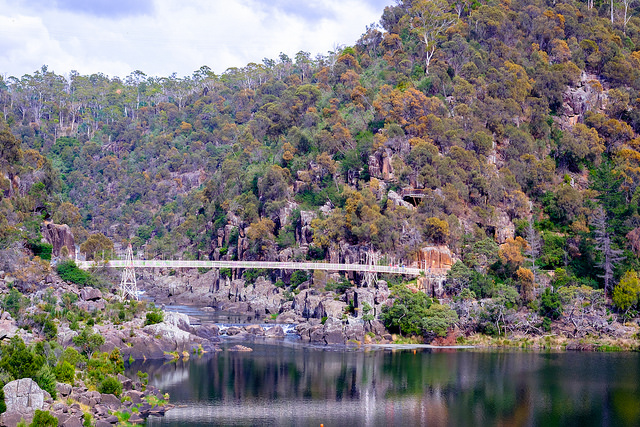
column 411, row 271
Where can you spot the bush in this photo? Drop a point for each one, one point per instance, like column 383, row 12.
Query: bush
column 65, row 372
column 110, row 385
column 46, row 379
column 3, row 405
column 298, row 277
column 69, row 271
column 13, row 303
column 87, row 341
column 153, row 317
column 42, row 250
column 550, row 305
column 43, row 419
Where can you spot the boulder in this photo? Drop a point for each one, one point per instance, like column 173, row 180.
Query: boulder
column 8, row 328
column 275, row 332
column 59, row 236
column 255, row 330
column 90, row 294
column 24, row 395
column 110, row 401
column 234, row 330
column 63, row 389
column 178, row 320
column 354, row 330
column 332, row 331
column 435, row 257
column 240, row 348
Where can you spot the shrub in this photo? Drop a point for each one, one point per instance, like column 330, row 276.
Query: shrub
column 69, row 271
column 43, row 419
column 65, row 372
column 87, row 341
column 13, row 303
column 298, row 277
column 110, row 385
column 550, row 305
column 46, row 379
column 153, row 317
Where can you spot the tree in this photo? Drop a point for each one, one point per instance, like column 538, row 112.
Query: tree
column 437, row 321
column 407, row 311
column 626, row 292
column 429, row 20
column 436, row 230
column 610, row 256
column 88, row 341
column 532, row 250
column 97, row 245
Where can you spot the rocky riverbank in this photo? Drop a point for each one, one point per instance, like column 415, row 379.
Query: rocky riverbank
column 321, row 316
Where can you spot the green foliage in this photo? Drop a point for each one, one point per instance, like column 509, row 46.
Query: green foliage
column 252, row 274
column 65, row 372
column 42, row 250
column 407, row 311
column 3, row 405
column 110, row 385
column 69, row 271
column 20, row 361
column 338, row 287
column 298, row 277
column 88, row 341
column 550, row 304
column 73, row 357
column 153, row 317
column 437, row 321
column 627, row 291
column 14, row 302
column 46, row 379
column 43, row 419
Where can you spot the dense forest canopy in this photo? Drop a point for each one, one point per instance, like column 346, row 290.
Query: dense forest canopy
column 518, row 122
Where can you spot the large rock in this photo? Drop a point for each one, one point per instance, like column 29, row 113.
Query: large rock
column 333, row 333
column 59, row 236
column 435, row 258
column 90, row 294
column 24, row 395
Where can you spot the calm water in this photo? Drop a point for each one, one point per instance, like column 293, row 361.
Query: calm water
column 293, row 384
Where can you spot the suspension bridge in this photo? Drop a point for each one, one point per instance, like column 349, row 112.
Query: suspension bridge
column 371, row 268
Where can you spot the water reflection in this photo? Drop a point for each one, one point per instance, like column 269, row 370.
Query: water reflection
column 289, row 384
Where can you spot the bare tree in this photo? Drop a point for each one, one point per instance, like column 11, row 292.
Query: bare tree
column 430, row 19
column 610, row 256
column 533, row 250
column 626, row 4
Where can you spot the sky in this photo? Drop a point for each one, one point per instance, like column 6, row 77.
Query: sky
column 160, row 37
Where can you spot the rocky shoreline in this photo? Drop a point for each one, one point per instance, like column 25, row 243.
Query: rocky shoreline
column 321, row 316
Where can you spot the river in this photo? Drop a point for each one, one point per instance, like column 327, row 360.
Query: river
column 290, row 383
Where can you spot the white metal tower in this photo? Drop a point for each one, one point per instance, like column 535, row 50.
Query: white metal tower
column 128, row 286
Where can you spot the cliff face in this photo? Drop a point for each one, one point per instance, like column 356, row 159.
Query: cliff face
column 59, row 236
column 435, row 257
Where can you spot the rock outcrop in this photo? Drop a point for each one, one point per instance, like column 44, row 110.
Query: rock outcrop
column 59, row 236
column 435, row 257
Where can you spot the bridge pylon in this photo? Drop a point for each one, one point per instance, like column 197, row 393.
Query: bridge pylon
column 128, row 285
column 371, row 276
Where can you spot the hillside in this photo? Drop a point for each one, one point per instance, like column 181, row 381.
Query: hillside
column 512, row 126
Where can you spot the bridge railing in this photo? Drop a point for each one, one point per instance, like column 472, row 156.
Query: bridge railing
column 397, row 269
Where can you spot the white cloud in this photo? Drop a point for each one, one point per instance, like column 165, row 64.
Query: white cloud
column 173, row 36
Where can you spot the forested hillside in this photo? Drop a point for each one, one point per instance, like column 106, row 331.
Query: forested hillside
column 517, row 121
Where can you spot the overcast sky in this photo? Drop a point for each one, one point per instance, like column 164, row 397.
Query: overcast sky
column 160, row 37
